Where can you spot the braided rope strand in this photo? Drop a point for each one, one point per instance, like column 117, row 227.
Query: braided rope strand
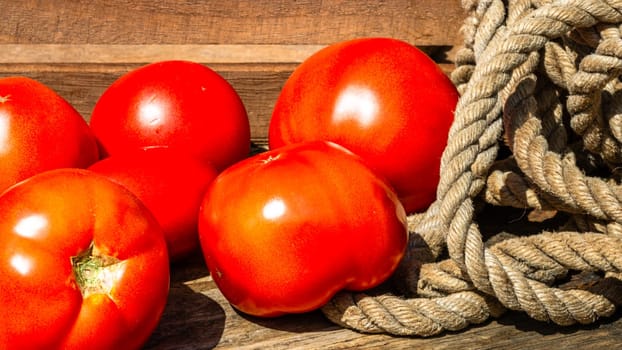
column 464, row 240
column 503, row 60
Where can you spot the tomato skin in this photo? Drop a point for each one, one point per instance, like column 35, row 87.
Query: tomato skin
column 180, row 104
column 170, row 183
column 383, row 99
column 284, row 230
column 48, row 220
column 39, row 130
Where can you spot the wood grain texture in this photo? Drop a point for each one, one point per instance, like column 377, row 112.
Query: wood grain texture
column 80, row 73
column 81, row 84
column 143, row 53
column 227, row 22
column 198, row 317
column 79, row 47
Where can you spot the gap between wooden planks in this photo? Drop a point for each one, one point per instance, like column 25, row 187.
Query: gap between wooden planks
column 99, row 54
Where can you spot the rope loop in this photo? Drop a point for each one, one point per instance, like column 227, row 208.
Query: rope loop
column 538, row 127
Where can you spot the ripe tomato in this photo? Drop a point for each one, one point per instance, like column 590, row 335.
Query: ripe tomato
column 39, row 130
column 173, row 103
column 83, row 264
column 170, row 183
column 383, row 99
column 284, row 230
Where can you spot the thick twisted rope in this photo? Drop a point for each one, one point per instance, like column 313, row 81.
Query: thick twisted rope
column 452, row 302
column 497, row 75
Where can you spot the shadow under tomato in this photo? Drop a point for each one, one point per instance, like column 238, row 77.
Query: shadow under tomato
column 191, row 320
column 313, row 321
column 189, row 268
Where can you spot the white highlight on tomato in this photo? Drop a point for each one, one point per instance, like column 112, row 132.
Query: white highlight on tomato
column 21, row 264
column 109, row 276
column 151, row 113
column 31, row 226
column 5, row 127
column 274, row 209
column 356, row 103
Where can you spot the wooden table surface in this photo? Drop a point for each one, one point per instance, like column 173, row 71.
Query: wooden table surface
column 199, row 317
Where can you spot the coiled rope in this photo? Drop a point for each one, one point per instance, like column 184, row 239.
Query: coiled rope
column 540, row 78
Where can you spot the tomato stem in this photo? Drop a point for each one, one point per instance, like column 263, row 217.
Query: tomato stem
column 96, row 273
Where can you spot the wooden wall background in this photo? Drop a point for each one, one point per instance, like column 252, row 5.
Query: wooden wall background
column 80, row 47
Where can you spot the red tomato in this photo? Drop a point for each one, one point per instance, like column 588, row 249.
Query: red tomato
column 381, row 98
column 83, row 264
column 39, row 130
column 173, row 103
column 284, row 230
column 170, row 183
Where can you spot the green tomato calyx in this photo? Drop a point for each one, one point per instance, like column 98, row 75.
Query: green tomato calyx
column 96, row 273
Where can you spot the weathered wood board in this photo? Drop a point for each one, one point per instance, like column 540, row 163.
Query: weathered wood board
column 79, row 47
column 198, row 317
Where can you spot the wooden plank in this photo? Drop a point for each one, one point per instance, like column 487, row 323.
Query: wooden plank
column 79, row 47
column 198, row 317
column 257, row 84
column 144, row 53
column 421, row 22
column 80, row 72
